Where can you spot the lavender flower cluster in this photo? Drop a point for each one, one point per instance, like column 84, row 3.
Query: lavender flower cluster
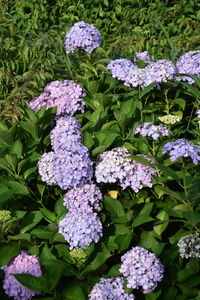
column 189, row 246
column 116, row 166
column 120, row 68
column 80, row 228
column 26, row 264
column 110, row 289
column 151, row 130
column 65, row 133
column 66, row 95
column 141, row 268
column 70, row 167
column 182, row 148
column 133, row 76
column 82, row 35
column 156, row 71
column 73, row 168
column 189, row 63
column 81, row 225
column 84, row 198
column 69, row 164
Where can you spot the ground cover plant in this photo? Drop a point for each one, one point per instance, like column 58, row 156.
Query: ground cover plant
column 100, row 170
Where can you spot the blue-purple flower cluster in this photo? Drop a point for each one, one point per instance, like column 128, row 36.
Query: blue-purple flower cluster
column 82, row 35
column 22, row 263
column 182, row 148
column 151, row 130
column 46, row 168
column 73, row 168
column 66, row 95
column 85, row 198
column 115, row 166
column 80, row 228
column 141, row 268
column 120, row 68
column 110, row 289
column 65, row 133
column 155, row 72
column 189, row 63
column 69, row 165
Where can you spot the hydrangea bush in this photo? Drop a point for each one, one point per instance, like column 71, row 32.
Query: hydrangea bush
column 100, row 180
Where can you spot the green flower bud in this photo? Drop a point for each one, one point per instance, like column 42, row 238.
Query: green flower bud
column 79, row 256
column 5, row 215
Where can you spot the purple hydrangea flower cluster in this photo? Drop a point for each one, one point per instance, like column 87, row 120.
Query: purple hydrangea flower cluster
column 84, row 198
column 189, row 63
column 110, row 289
column 66, row 95
column 65, row 133
column 151, row 130
column 69, row 165
column 82, row 35
column 21, row 264
column 73, row 168
column 80, row 229
column 46, row 168
column 141, row 268
column 182, row 148
column 120, row 68
column 155, row 72
column 198, row 113
column 116, row 166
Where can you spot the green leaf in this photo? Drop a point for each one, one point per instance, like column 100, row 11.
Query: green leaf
column 46, row 254
column 42, row 234
column 32, row 282
column 59, row 208
column 141, row 219
column 123, row 241
column 181, row 102
column 18, row 188
column 148, row 241
column 177, row 195
column 116, row 210
column 192, row 216
column 141, row 160
column 114, row 271
column 88, row 140
column 164, row 218
column 146, row 90
column 12, row 161
column 24, row 236
column 54, row 270
column 101, row 256
column 30, row 220
column 7, row 252
column 48, row 215
column 64, row 253
column 168, row 172
column 16, row 148
column 73, row 291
